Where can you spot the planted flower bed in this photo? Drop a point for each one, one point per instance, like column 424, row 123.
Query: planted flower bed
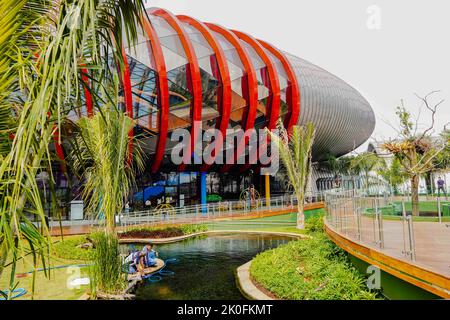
column 162, row 232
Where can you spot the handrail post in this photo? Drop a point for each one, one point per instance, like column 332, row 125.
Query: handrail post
column 358, row 222
column 412, row 245
column 380, row 229
column 439, row 209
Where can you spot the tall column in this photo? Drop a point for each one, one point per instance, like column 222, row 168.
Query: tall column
column 203, row 191
column 267, row 189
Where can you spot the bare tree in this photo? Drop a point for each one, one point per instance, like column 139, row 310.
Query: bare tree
column 416, row 151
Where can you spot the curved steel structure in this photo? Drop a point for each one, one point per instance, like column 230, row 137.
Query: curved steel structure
column 202, row 72
column 270, row 79
column 221, row 73
column 163, row 92
column 194, row 81
column 292, row 90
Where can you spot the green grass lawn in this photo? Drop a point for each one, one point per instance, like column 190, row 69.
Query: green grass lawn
column 54, row 287
column 395, row 209
column 281, row 223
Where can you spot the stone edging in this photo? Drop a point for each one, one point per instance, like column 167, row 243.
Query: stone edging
column 247, row 286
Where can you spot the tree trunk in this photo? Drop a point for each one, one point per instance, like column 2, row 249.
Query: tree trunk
column 428, row 181
column 415, row 195
column 300, row 216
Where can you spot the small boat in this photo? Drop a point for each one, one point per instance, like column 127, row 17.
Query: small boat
column 147, row 271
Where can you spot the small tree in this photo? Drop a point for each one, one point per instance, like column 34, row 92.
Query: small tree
column 416, row 152
column 99, row 155
column 393, row 174
column 295, row 151
column 364, row 164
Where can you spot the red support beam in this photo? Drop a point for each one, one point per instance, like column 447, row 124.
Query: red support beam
column 273, row 101
column 87, row 93
column 163, row 92
column 193, row 76
column 293, row 90
column 272, row 81
column 223, row 75
column 249, row 85
column 128, row 97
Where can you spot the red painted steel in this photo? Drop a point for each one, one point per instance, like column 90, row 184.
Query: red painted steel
column 221, row 72
column 293, row 90
column 128, row 96
column 87, row 93
column 272, row 82
column 193, row 75
column 249, row 85
column 273, row 101
column 163, row 93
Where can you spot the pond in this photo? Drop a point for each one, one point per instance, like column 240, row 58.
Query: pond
column 205, row 267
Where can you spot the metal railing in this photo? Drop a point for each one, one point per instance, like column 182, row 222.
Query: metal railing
column 224, row 209
column 385, row 223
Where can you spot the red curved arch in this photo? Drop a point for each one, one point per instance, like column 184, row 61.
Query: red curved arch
column 128, row 96
column 224, row 94
column 87, row 93
column 293, row 90
column 163, row 93
column 59, row 149
column 273, row 102
column 193, row 74
column 273, row 83
column 250, row 83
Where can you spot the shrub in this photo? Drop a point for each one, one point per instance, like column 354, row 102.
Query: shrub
column 68, row 249
column 314, row 224
column 309, row 269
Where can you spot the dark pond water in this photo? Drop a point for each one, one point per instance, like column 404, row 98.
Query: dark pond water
column 205, row 267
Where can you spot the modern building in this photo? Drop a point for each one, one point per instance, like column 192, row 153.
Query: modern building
column 183, row 70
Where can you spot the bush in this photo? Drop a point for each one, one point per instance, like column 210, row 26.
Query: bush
column 314, row 224
column 309, row 269
column 68, row 249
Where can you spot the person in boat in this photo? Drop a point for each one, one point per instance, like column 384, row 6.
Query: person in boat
column 133, row 261
column 147, row 257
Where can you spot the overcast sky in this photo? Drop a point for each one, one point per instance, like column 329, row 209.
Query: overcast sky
column 387, row 49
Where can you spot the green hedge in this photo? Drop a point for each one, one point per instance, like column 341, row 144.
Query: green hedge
column 310, row 269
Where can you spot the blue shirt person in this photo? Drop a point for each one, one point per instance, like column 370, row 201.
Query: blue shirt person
column 148, row 256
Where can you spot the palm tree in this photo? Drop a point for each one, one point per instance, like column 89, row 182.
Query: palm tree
column 365, row 163
column 44, row 45
column 99, row 155
column 295, row 149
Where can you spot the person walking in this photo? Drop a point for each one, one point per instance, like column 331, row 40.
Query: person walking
column 441, row 187
column 252, row 195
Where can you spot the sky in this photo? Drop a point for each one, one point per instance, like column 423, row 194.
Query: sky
column 389, row 50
